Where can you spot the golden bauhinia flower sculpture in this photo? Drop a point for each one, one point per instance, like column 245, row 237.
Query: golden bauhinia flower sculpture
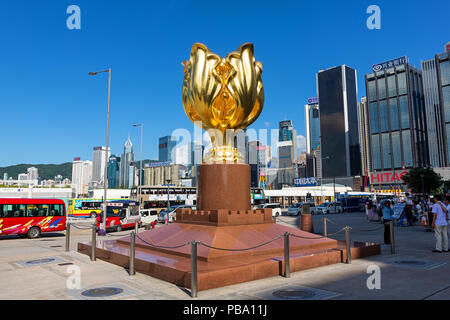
column 222, row 95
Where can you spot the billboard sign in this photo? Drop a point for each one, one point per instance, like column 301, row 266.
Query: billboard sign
column 158, row 164
column 313, row 100
column 387, row 177
column 305, row 182
column 389, row 64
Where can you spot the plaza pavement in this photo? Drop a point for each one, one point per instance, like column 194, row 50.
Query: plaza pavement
column 414, row 272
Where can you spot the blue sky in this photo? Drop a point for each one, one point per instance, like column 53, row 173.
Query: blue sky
column 53, row 111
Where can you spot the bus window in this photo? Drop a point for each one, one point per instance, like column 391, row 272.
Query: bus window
column 1, row 211
column 56, row 210
column 14, row 211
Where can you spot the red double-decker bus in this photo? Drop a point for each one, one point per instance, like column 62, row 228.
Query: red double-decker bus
column 31, row 217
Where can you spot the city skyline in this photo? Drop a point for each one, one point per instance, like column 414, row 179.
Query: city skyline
column 151, row 93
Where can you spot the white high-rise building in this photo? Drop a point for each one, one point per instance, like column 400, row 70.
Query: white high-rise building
column 81, row 176
column 32, row 173
column 98, row 164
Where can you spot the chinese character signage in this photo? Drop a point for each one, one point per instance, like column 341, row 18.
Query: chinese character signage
column 389, row 64
column 305, row 182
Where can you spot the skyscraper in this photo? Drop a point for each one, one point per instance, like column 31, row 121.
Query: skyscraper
column 253, row 162
column 312, row 124
column 98, row 164
column 364, row 136
column 113, row 171
column 81, row 176
column 287, row 153
column 167, row 151
column 339, row 142
column 126, row 161
column 436, row 88
column 32, row 173
column 397, row 120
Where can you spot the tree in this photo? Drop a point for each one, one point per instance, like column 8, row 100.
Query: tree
column 430, row 179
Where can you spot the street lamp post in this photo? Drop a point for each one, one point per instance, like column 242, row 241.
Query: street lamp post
column 140, row 167
column 168, row 196
column 102, row 230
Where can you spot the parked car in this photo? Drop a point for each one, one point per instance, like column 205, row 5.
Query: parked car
column 172, row 214
column 276, row 208
column 329, row 207
column 296, row 209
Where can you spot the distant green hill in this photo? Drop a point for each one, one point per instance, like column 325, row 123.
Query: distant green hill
column 47, row 171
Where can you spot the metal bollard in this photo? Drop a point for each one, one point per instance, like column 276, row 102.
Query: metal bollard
column 93, row 242
column 132, row 253
column 67, row 237
column 391, row 231
column 136, row 226
column 347, row 245
column 194, row 288
column 324, row 227
column 287, row 271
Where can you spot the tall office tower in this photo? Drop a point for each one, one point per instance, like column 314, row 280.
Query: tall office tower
column 436, row 89
column 253, row 162
column 167, row 150
column 98, row 164
column 81, row 176
column 113, row 171
column 5, row 176
column 287, row 153
column 339, row 143
column 125, row 163
column 397, row 121
column 32, row 173
column 241, row 144
column 312, row 125
column 264, row 157
column 198, row 153
column 364, row 136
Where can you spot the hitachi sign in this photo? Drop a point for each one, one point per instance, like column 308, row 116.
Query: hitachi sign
column 387, row 177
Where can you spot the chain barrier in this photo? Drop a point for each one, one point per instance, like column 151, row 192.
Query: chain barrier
column 163, row 247
column 356, row 229
column 81, row 228
column 251, row 248
column 320, row 237
column 118, row 235
column 287, row 222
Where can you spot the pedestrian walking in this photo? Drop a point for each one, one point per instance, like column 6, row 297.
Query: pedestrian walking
column 447, row 203
column 378, row 210
column 387, row 218
column 440, row 224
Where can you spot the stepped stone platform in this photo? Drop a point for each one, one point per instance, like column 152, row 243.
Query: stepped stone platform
column 225, row 229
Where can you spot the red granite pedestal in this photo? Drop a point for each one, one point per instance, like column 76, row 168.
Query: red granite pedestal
column 228, row 229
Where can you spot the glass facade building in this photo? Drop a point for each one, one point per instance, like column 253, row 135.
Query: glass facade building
column 126, row 165
column 113, row 171
column 339, row 141
column 312, row 122
column 287, row 154
column 436, row 87
column 167, row 149
column 364, row 136
column 397, row 122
